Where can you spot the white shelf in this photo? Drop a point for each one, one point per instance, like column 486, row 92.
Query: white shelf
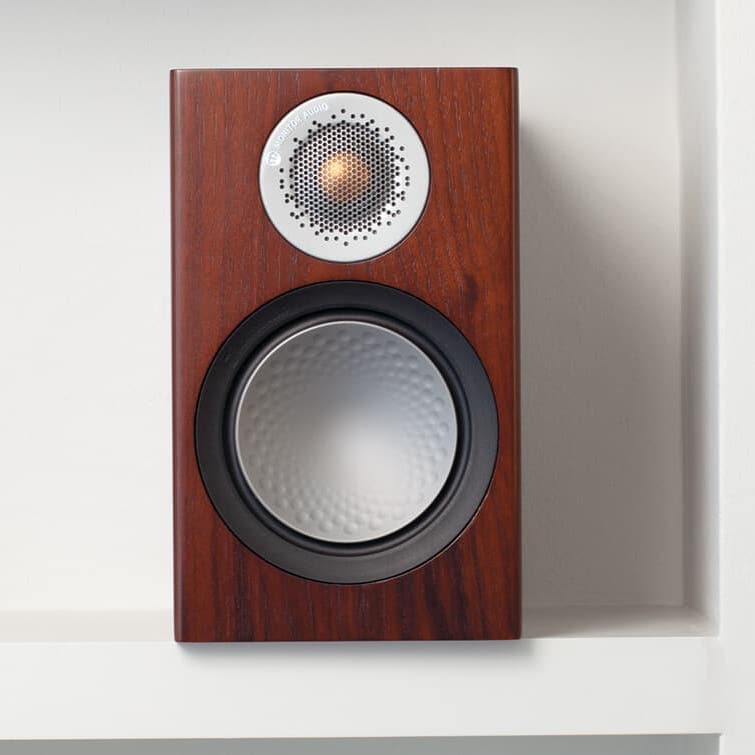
column 624, row 670
column 156, row 689
column 157, row 626
column 592, row 745
column 53, row 627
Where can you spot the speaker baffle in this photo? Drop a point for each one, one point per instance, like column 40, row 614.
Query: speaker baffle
column 346, row 432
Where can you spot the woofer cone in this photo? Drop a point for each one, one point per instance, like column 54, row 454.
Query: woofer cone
column 256, row 432
column 345, row 430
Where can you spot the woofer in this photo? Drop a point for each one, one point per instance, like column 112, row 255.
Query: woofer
column 346, row 432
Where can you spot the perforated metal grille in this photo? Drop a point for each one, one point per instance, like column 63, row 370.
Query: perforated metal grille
column 347, row 178
column 344, row 176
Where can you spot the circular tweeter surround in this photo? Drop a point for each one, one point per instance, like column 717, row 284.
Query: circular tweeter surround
column 346, row 432
column 344, row 177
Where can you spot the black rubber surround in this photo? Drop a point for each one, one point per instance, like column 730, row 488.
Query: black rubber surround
column 347, row 563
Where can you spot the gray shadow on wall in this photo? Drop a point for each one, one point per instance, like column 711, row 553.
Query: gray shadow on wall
column 601, row 428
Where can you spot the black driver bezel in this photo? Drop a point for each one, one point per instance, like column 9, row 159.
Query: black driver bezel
column 424, row 537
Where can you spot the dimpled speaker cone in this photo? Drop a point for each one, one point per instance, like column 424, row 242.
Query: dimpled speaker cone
column 346, row 431
column 344, row 176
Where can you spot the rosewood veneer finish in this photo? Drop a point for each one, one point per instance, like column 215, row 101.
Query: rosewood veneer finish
column 461, row 258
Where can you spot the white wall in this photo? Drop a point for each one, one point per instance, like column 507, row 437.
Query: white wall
column 736, row 374
column 84, row 277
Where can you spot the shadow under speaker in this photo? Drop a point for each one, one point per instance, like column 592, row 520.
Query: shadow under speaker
column 345, row 354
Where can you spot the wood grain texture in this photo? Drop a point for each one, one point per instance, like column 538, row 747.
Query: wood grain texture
column 461, row 258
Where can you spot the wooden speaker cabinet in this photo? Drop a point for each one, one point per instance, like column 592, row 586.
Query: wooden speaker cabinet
column 345, row 355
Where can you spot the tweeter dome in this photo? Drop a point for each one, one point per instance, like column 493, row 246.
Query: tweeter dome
column 346, row 372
